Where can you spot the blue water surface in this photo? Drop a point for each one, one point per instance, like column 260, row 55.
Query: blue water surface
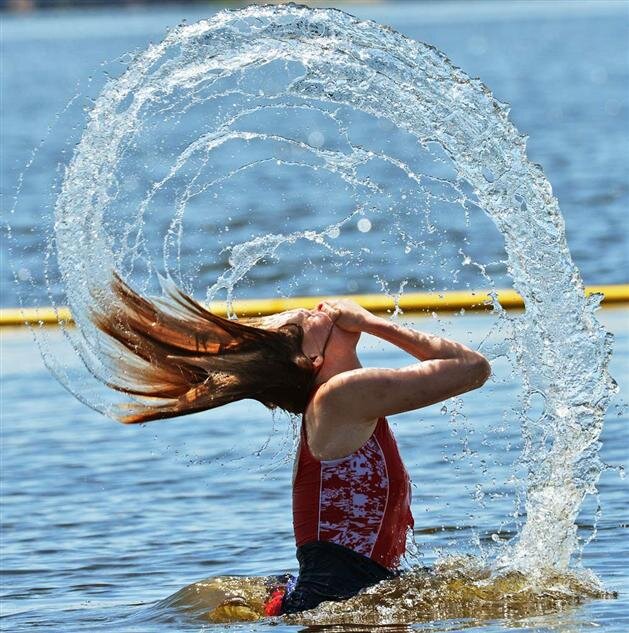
column 100, row 521
column 563, row 67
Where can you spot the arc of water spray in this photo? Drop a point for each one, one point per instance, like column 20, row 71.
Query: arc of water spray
column 563, row 351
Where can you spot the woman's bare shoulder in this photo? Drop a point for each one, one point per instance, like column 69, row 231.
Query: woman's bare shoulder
column 334, row 432
column 354, row 395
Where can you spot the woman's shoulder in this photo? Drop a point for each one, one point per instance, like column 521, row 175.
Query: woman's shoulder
column 351, row 397
column 332, row 432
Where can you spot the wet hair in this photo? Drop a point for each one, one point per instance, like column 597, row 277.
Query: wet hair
column 175, row 357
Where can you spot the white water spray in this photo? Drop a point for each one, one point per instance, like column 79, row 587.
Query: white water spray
column 279, row 61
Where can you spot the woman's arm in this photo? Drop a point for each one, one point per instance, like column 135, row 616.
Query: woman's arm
column 447, row 369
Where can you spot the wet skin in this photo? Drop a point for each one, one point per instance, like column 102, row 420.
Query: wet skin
column 344, row 412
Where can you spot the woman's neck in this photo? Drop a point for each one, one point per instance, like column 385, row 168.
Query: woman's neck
column 334, row 365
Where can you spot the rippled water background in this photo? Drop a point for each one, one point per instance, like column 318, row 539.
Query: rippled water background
column 563, row 68
column 100, row 520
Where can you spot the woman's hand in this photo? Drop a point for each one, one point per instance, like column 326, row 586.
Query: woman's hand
column 347, row 314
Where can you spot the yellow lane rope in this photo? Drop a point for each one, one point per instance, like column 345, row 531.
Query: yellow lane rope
column 412, row 302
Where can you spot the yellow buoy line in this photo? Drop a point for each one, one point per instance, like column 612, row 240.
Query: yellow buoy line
column 412, row 302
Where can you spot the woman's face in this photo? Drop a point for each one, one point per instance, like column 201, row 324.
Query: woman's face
column 317, row 327
column 322, row 340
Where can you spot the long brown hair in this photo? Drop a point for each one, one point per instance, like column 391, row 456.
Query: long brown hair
column 175, row 357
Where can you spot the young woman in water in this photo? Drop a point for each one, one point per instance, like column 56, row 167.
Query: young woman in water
column 351, row 491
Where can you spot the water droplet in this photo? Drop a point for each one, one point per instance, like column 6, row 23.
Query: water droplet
column 364, row 225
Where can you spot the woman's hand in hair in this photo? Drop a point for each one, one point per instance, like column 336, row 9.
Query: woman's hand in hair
column 347, row 314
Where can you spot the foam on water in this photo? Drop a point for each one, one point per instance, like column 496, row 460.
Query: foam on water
column 457, row 588
column 247, row 67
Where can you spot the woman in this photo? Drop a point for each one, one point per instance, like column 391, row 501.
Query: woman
column 351, row 491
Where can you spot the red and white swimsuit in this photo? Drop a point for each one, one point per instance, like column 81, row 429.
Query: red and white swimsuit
column 361, row 501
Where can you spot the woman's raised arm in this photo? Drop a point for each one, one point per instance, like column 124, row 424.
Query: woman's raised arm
column 447, row 369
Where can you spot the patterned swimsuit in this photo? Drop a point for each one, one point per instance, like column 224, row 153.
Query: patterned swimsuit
column 350, row 517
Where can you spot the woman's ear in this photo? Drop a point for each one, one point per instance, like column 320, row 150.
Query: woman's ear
column 317, row 361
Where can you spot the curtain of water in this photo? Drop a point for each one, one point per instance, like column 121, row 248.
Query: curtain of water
column 327, row 63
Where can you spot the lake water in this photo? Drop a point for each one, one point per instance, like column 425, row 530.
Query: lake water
column 563, row 68
column 102, row 522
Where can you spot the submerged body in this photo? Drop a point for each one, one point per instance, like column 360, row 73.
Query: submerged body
column 455, row 589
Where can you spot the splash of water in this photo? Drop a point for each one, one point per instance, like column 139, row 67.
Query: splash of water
column 458, row 588
column 261, row 63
